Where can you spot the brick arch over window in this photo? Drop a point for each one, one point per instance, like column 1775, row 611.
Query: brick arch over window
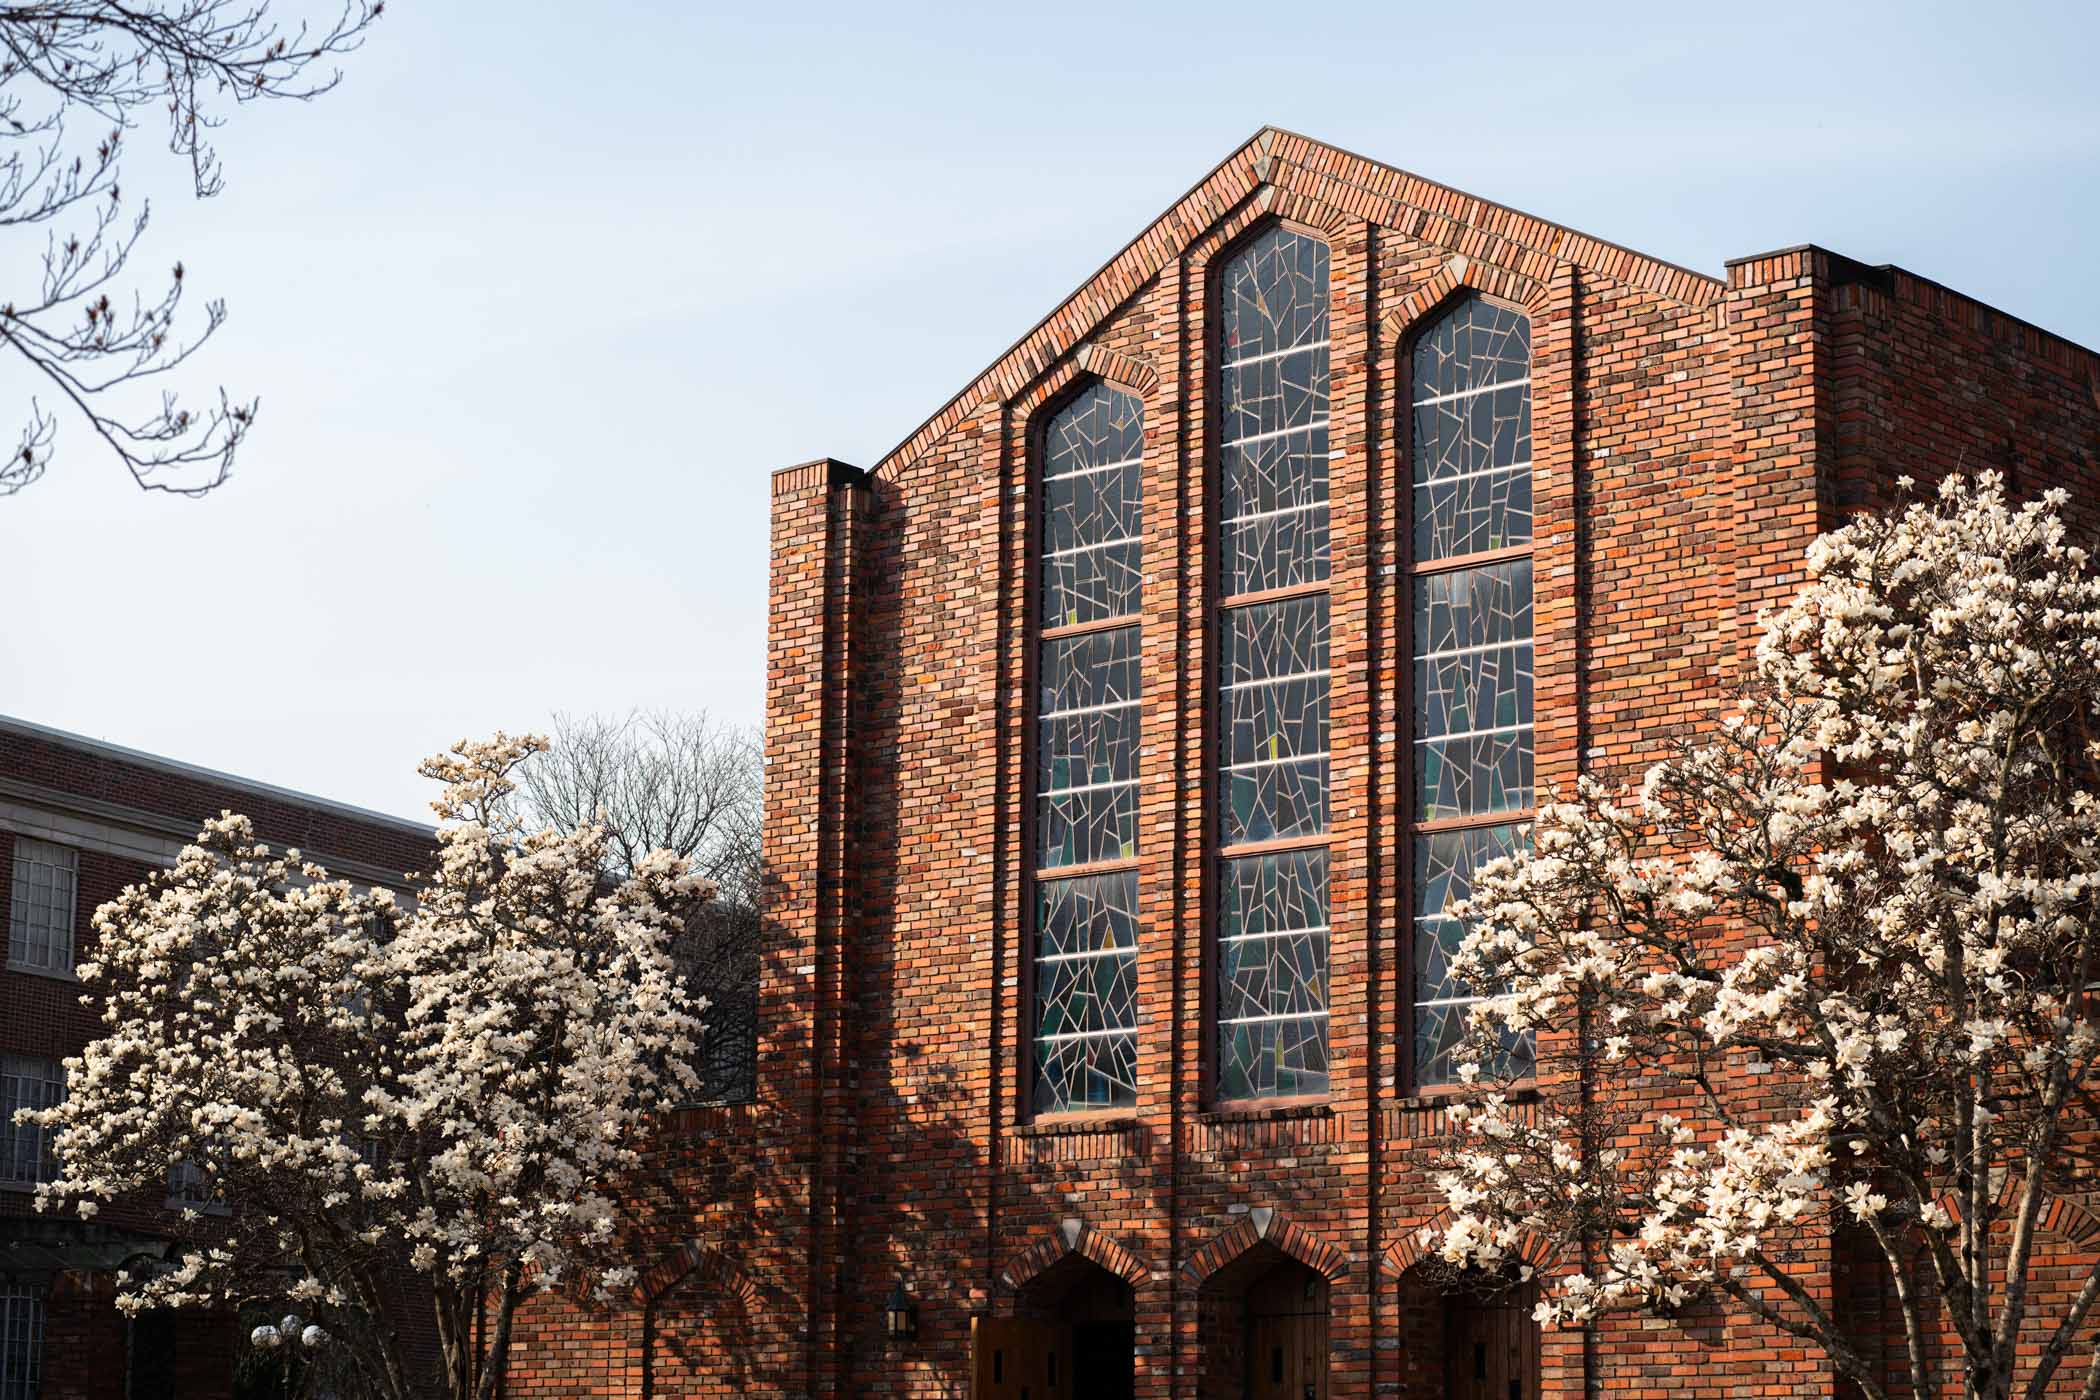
column 1264, row 1225
column 2069, row 1220
column 1458, row 276
column 1072, row 1237
column 1086, row 363
column 1414, row 1246
column 694, row 1263
column 1113, row 365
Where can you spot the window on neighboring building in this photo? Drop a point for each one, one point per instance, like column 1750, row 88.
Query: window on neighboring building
column 190, row 1188
column 1086, row 758
column 1271, row 1006
column 40, row 906
column 26, row 1158
column 1472, row 680
column 21, row 1341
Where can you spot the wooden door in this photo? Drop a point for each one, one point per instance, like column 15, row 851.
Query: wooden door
column 1287, row 1356
column 1493, row 1350
column 1020, row 1358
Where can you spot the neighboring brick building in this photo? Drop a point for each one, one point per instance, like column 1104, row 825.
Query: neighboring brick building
column 1127, row 726
column 79, row 821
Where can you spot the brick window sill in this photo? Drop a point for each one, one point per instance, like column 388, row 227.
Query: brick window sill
column 1526, row 1091
column 1077, row 1124
column 1268, row 1112
column 48, row 974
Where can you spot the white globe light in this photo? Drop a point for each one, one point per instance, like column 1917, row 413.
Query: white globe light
column 265, row 1336
column 313, row 1336
column 290, row 1326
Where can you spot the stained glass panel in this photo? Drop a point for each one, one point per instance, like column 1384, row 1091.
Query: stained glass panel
column 1487, row 606
column 1275, row 476
column 1101, row 426
column 1484, row 431
column 1473, row 680
column 1272, row 938
column 1273, row 402
column 1275, row 295
column 1090, row 583
column 1091, row 507
column 1473, row 691
column 1472, row 432
column 1089, row 671
column 1086, row 748
column 1272, row 1059
column 1086, row 771
column 1265, row 398
column 1086, row 992
column 1274, row 725
column 1086, row 914
column 1273, row 732
column 1474, row 345
column 1275, row 509
column 1473, row 514
column 1270, row 641
column 1445, row 863
column 1092, row 514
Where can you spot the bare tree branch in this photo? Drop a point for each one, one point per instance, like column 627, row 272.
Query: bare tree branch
column 65, row 64
column 687, row 784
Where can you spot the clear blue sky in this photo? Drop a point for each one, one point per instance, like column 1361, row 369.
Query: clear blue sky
column 538, row 298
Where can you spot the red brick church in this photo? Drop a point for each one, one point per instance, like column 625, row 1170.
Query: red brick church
column 1128, row 727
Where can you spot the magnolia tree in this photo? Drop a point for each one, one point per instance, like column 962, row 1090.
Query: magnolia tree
column 1823, row 974
column 373, row 1091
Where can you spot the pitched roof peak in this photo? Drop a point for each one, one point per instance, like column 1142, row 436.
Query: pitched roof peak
column 1323, row 176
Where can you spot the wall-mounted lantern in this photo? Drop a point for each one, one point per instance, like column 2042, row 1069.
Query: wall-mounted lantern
column 900, row 1315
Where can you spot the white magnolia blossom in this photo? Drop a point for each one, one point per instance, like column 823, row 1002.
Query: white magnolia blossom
column 449, row 1085
column 1824, row 972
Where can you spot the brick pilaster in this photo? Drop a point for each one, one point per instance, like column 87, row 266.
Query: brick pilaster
column 819, row 511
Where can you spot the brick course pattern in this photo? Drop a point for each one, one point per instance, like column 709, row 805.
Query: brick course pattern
column 1692, row 435
column 126, row 814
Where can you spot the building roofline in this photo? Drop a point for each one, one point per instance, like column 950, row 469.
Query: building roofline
column 176, row 767
column 1719, row 283
column 1356, row 185
column 1062, row 302
column 831, row 471
column 1391, row 189
column 1852, row 267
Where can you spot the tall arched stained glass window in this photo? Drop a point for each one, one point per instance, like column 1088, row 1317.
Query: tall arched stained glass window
column 1271, row 1007
column 1472, row 641
column 1086, row 759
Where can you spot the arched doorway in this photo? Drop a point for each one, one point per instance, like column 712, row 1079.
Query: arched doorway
column 1072, row 1336
column 1263, row 1320
column 1491, row 1344
column 1287, row 1310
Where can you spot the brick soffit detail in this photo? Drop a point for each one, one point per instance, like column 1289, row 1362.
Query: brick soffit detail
column 1342, row 186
